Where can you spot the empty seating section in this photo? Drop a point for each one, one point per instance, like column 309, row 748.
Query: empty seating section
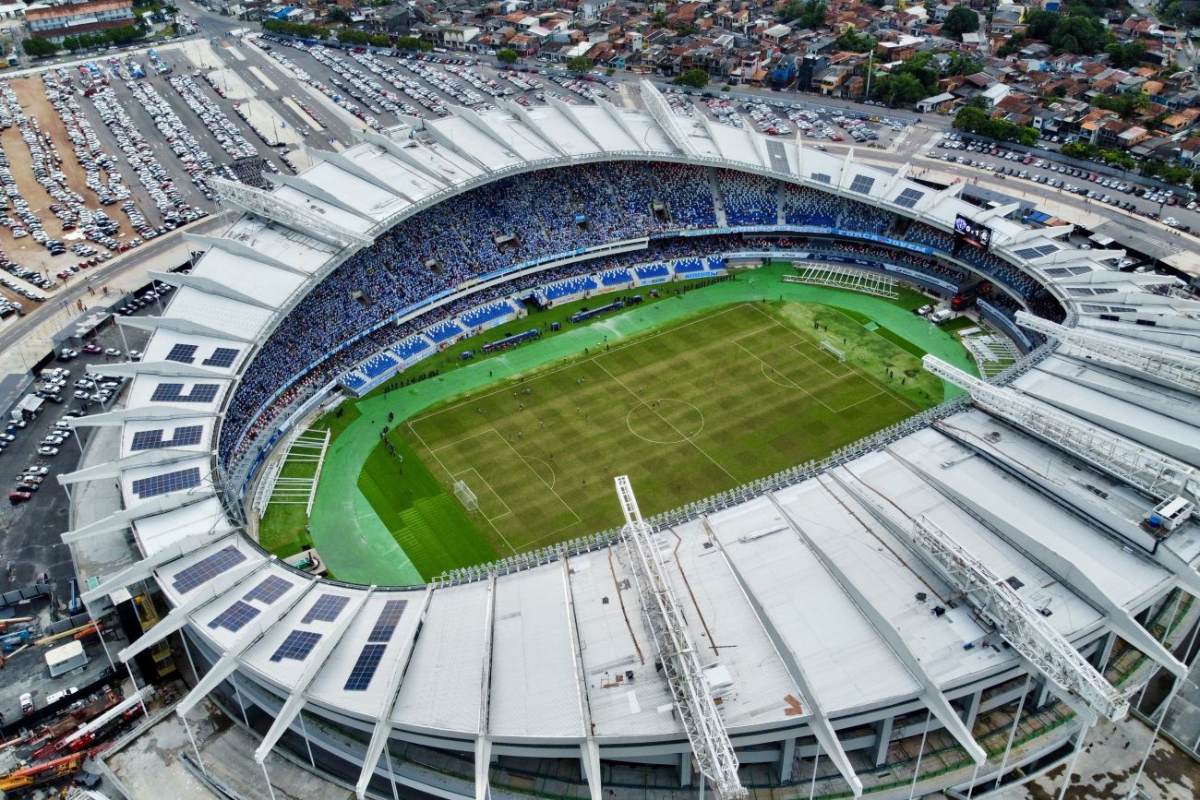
column 615, row 277
column 649, row 272
column 748, row 199
column 569, row 288
column 486, row 313
column 411, row 348
column 537, row 216
column 444, row 331
column 353, row 381
column 377, row 365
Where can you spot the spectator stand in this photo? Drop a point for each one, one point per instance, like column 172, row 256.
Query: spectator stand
column 569, row 290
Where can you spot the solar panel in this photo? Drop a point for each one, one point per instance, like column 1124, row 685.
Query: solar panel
column 385, row 625
column 221, row 357
column 167, row 482
column 173, row 393
column 151, row 439
column 270, row 590
column 862, row 184
column 235, row 617
column 207, row 568
column 296, row 646
column 909, row 198
column 183, row 353
column 326, row 609
column 364, row 668
column 821, row 177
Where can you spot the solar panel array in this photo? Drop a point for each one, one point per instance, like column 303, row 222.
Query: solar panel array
column 207, row 568
column 364, row 668
column 821, row 177
column 173, row 393
column 296, row 646
column 167, row 482
column 235, row 617
column 326, row 609
column 909, row 198
column 221, row 357
column 270, row 590
column 385, row 625
column 180, row 437
column 183, row 353
column 862, row 184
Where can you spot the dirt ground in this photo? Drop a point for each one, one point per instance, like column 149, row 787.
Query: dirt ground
column 32, row 97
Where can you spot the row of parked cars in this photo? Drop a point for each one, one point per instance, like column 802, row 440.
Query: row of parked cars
column 135, row 302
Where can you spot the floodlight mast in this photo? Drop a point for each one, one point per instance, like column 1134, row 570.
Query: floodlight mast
column 706, row 732
column 1158, row 475
column 1022, row 627
column 1177, row 368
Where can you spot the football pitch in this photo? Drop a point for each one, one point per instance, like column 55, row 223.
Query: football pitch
column 697, row 407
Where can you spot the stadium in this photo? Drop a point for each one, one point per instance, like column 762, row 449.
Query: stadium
column 854, row 576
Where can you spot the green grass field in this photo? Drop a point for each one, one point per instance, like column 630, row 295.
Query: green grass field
column 692, row 409
column 690, row 393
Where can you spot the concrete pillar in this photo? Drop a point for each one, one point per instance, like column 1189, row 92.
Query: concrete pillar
column 685, row 768
column 1043, row 693
column 882, row 737
column 972, row 709
column 1105, row 652
column 787, row 759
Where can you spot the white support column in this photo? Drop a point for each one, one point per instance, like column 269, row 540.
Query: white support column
column 269, row 207
column 1083, row 732
column 912, row 790
column 1012, row 733
column 883, row 738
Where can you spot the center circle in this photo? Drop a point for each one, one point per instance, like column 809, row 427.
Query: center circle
column 664, row 421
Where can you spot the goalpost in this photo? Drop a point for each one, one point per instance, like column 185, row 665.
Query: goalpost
column 466, row 496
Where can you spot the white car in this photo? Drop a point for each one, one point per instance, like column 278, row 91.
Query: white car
column 47, row 451
column 112, row 351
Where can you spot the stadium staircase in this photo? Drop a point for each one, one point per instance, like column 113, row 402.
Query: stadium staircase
column 718, row 198
column 780, row 197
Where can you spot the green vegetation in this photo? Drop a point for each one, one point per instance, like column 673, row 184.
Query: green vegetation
column 39, row 48
column 298, row 29
column 354, row 36
column 412, row 43
column 695, row 77
column 805, row 13
column 916, row 78
column 854, row 42
column 1125, row 54
column 579, row 64
column 1076, row 31
column 1126, row 104
column 977, row 121
column 506, row 55
column 960, row 64
column 960, row 20
column 113, row 36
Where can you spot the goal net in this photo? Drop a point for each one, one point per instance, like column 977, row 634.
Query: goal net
column 466, row 496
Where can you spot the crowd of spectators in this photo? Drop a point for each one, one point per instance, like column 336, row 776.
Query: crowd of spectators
column 510, row 223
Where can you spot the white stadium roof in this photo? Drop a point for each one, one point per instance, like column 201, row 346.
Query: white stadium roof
column 805, row 592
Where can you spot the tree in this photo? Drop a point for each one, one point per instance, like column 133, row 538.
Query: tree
column 39, row 48
column 506, row 56
column 975, row 120
column 960, row 20
column 579, row 64
column 694, row 77
column 338, row 14
column 1126, row 55
column 962, row 65
column 854, row 42
column 805, row 13
column 413, row 43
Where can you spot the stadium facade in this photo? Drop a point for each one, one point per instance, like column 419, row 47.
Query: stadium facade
column 843, row 650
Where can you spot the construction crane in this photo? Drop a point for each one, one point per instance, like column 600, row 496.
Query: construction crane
column 82, row 632
column 705, row 729
column 36, row 775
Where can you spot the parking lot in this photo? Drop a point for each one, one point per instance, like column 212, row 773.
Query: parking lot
column 1176, row 208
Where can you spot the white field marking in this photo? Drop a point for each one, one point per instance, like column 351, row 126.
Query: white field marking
column 553, row 472
column 550, row 488
column 800, row 340
column 490, row 488
column 677, row 441
column 763, row 366
column 686, row 438
column 556, row 370
column 467, row 438
column 446, row 469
